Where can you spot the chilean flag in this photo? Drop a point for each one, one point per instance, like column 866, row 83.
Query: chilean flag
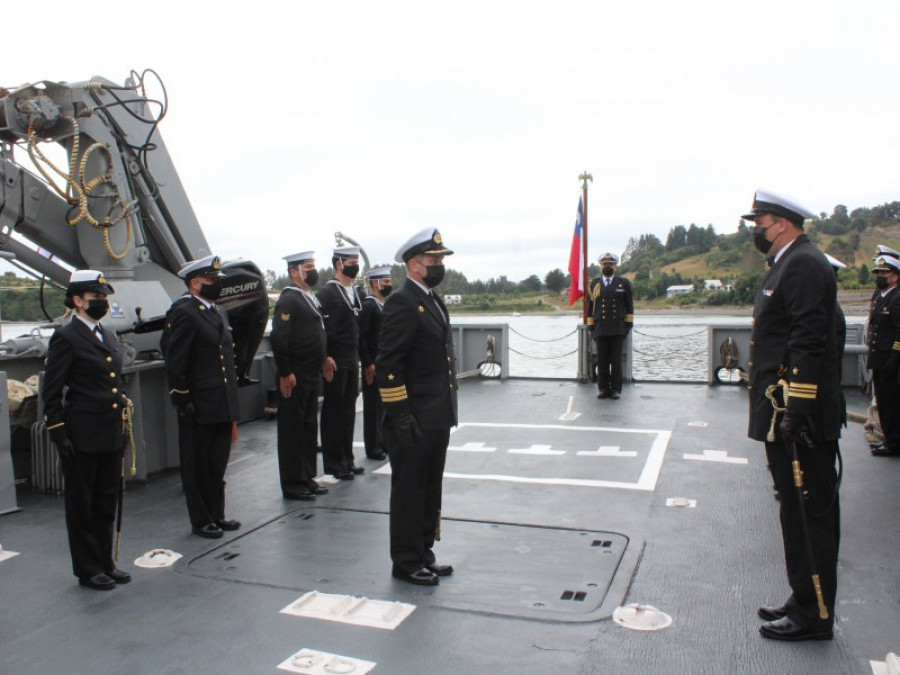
column 576, row 259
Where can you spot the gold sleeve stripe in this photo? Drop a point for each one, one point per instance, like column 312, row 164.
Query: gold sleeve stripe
column 804, row 386
column 590, row 321
column 797, row 394
column 56, row 426
column 387, row 391
column 897, row 346
column 629, row 317
column 393, row 399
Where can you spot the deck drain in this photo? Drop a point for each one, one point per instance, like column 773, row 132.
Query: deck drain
column 577, row 596
column 641, row 617
column 305, row 516
column 605, row 543
column 227, row 555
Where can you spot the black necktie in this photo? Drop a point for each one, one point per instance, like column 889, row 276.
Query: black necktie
column 98, row 333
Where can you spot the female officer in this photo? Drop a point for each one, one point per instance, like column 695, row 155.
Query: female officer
column 84, row 401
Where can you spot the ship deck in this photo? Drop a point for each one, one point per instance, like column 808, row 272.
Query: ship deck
column 554, row 513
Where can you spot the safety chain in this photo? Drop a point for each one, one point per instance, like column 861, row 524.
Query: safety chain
column 537, row 340
column 544, row 358
column 669, row 337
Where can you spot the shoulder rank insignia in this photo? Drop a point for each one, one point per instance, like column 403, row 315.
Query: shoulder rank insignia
column 421, row 309
column 285, row 316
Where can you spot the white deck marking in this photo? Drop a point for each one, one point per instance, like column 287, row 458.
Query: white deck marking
column 350, row 609
column 6, row 555
column 471, row 447
column 607, row 451
column 535, row 449
column 716, row 456
column 570, row 413
column 683, row 502
column 309, row 661
column 647, row 480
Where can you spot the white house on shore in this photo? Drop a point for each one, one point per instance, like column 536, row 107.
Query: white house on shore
column 675, row 291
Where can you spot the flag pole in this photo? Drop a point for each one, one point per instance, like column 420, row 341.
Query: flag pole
column 584, row 178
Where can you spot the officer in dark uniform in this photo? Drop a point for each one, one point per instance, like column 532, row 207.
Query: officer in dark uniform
column 199, row 353
column 884, row 352
column 794, row 343
column 611, row 313
column 298, row 345
column 416, row 373
column 369, row 326
column 840, row 326
column 85, row 407
column 340, row 307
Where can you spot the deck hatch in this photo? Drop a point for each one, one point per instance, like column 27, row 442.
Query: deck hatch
column 500, row 568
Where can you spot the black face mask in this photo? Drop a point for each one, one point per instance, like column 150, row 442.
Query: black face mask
column 97, row 309
column 386, row 291
column 880, row 282
column 211, row 291
column 607, row 271
column 434, row 275
column 759, row 240
column 310, row 277
column 351, row 271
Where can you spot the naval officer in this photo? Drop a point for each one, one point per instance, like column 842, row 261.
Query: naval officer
column 85, row 406
column 199, row 353
column 884, row 352
column 298, row 345
column 416, row 374
column 794, row 343
column 380, row 287
column 611, row 313
column 340, row 307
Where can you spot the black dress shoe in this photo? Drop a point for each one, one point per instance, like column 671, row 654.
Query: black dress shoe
column 768, row 613
column 343, row 475
column 615, row 395
column 319, row 490
column 787, row 629
column 357, row 470
column 377, row 457
column 441, row 570
column 422, row 577
column 881, row 450
column 118, row 576
column 603, row 394
column 300, row 495
column 99, row 582
column 229, row 525
column 208, row 531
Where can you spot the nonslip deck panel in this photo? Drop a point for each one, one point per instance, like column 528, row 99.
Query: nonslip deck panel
column 504, row 569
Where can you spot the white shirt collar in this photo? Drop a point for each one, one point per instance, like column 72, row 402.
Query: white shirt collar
column 90, row 323
column 421, row 285
column 781, row 252
column 206, row 302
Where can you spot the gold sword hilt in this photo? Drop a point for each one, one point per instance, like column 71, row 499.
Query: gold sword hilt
column 823, row 611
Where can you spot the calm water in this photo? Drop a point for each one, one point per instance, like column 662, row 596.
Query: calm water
column 666, row 347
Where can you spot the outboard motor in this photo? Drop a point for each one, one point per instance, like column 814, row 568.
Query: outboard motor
column 245, row 297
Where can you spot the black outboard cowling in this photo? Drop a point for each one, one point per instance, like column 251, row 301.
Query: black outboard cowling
column 245, row 297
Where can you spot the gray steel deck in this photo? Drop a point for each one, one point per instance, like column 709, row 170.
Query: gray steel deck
column 522, row 511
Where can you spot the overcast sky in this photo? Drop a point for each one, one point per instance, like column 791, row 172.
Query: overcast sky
column 291, row 120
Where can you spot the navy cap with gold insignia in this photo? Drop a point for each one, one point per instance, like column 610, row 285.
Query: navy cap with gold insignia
column 88, row 281
column 210, row 266
column 765, row 201
column 609, row 258
column 881, row 249
column 887, row 263
column 426, row 242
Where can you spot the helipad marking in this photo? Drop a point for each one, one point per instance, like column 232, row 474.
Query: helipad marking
column 607, row 451
column 314, row 662
column 536, row 449
column 716, row 456
column 646, row 481
column 471, row 447
column 570, row 413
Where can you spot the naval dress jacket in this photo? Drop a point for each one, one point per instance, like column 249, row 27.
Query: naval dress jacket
column 416, row 366
column 794, row 339
column 341, row 325
column 610, row 307
column 369, row 327
column 199, row 353
column 298, row 338
column 884, row 328
column 83, row 388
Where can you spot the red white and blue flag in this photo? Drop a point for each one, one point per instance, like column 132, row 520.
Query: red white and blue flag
column 576, row 259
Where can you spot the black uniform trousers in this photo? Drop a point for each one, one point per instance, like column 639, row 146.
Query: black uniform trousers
column 609, row 362
column 887, row 394
column 204, row 450
column 298, row 434
column 823, row 517
column 416, row 477
column 372, row 415
column 92, row 493
column 339, row 417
